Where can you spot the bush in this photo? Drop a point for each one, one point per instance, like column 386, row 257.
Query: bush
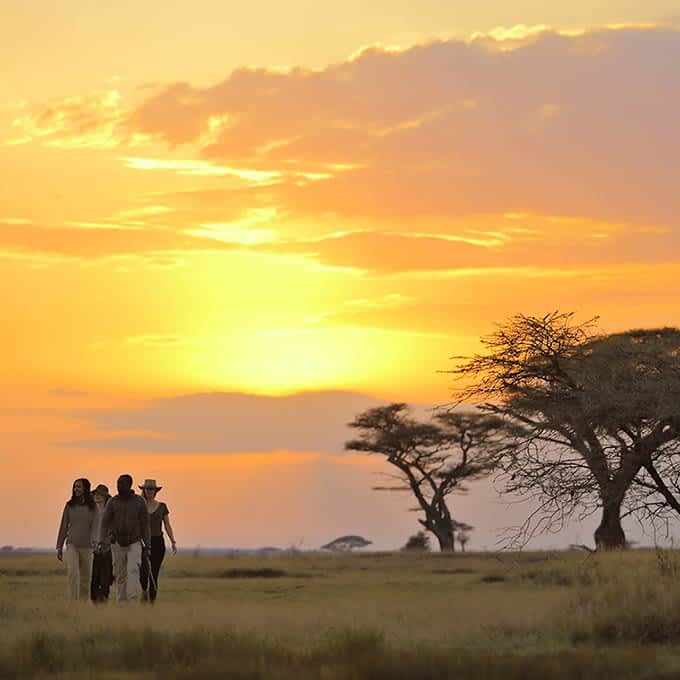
column 418, row 542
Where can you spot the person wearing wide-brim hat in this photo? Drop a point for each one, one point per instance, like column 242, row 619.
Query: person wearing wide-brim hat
column 102, row 563
column 158, row 518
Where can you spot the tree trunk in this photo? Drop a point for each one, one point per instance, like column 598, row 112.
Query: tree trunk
column 445, row 537
column 609, row 535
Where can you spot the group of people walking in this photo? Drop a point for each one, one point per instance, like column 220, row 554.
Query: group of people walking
column 114, row 540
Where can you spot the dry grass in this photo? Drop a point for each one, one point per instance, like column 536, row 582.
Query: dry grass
column 560, row 615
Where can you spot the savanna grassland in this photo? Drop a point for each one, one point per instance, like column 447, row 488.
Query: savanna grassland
column 511, row 616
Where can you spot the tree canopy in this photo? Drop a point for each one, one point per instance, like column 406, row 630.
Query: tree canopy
column 586, row 414
column 433, row 458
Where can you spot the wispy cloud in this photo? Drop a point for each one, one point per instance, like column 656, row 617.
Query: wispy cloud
column 65, row 392
column 199, row 168
column 229, row 423
column 159, row 340
column 93, row 120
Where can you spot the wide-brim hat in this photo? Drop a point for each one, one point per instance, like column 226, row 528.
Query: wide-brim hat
column 150, row 484
column 102, row 490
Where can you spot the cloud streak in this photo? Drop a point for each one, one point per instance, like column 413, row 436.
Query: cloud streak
column 229, row 423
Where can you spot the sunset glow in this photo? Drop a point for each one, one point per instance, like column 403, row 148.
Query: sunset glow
column 324, row 200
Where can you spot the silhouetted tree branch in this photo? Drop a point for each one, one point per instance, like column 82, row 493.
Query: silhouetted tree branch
column 433, row 458
column 589, row 414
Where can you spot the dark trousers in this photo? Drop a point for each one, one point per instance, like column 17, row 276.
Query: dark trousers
column 157, row 555
column 102, row 576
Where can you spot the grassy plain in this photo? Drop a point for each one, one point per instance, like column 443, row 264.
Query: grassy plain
column 334, row 617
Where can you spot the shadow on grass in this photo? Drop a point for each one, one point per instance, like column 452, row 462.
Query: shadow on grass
column 265, row 572
column 493, row 578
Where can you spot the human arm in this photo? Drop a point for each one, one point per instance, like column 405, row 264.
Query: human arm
column 169, row 531
column 61, row 536
column 105, row 524
column 94, row 528
column 144, row 522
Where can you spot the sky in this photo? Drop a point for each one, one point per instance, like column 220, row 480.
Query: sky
column 225, row 231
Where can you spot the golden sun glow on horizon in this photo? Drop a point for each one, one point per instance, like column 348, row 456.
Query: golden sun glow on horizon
column 228, row 228
column 346, row 223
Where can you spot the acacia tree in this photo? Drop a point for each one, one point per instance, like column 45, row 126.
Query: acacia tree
column 418, row 542
column 589, row 414
column 346, row 543
column 655, row 493
column 463, row 534
column 432, row 458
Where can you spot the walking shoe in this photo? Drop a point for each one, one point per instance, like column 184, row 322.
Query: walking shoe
column 145, row 596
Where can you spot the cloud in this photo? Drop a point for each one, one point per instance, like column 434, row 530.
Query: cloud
column 97, row 240
column 564, row 124
column 394, row 159
column 477, row 243
column 64, row 392
column 92, row 120
column 229, row 423
column 505, row 241
column 198, row 168
column 158, row 340
column 14, row 220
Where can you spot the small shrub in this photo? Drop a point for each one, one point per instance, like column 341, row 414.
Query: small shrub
column 419, row 542
column 493, row 578
column 265, row 572
column 566, row 576
column 242, row 572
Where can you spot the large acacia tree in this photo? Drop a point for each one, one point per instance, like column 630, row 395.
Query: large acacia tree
column 591, row 415
column 432, row 458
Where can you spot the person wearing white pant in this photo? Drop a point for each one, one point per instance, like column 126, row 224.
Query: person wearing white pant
column 77, row 529
column 126, row 563
column 126, row 522
column 79, row 567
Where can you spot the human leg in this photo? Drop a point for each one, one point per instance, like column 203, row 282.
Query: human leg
column 120, row 560
column 85, row 572
column 107, row 575
column 95, row 581
column 73, row 571
column 134, row 559
column 157, row 555
column 102, row 576
column 144, row 578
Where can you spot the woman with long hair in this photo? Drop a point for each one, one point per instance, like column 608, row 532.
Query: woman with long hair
column 102, row 562
column 77, row 530
column 158, row 518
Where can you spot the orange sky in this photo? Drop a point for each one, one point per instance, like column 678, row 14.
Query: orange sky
column 331, row 200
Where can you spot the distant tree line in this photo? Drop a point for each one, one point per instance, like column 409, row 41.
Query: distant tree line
column 577, row 422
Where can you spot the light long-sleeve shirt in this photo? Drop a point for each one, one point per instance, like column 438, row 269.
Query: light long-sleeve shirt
column 98, row 515
column 77, row 526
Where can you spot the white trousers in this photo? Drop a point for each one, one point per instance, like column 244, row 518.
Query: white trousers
column 79, row 569
column 126, row 563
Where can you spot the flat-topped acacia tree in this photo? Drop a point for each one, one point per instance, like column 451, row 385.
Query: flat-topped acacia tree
column 433, row 458
column 590, row 414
